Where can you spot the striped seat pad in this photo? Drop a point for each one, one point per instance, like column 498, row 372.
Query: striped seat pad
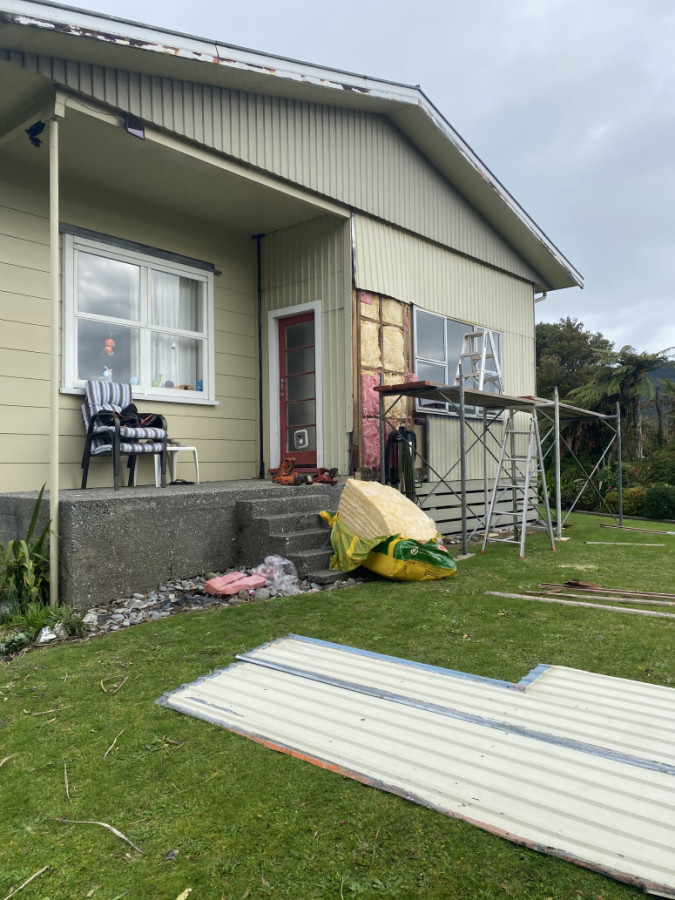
column 146, row 447
column 148, row 434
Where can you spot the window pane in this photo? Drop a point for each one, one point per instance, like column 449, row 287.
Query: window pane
column 300, row 387
column 301, row 413
column 107, row 287
column 431, row 372
column 177, row 362
column 429, row 336
column 176, row 301
column 299, row 335
column 298, row 361
column 455, row 332
column 301, row 439
column 105, row 352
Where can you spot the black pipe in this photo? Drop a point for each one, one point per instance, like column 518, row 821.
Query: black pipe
column 261, row 468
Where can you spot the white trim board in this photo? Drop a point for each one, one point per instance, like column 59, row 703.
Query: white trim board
column 273, row 317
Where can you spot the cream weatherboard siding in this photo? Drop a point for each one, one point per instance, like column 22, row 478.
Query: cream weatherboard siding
column 357, row 158
column 400, row 265
column 225, row 434
column 304, row 264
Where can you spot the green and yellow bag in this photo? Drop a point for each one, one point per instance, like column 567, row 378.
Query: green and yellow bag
column 391, row 556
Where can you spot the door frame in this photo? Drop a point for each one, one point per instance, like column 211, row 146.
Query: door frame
column 273, row 317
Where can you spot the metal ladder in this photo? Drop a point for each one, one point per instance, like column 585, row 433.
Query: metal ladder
column 517, row 476
column 480, row 349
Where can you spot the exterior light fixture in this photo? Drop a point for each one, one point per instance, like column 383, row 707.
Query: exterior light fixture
column 33, row 132
column 134, row 126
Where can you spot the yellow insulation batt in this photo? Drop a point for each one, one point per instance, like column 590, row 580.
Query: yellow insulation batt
column 370, row 509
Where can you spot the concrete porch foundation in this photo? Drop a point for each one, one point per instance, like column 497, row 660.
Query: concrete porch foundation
column 114, row 544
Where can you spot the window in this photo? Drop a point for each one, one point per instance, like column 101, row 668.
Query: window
column 438, row 346
column 137, row 318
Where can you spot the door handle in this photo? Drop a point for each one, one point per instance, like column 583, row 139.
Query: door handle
column 281, row 387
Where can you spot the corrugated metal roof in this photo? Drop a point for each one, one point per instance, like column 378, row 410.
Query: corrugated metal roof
column 512, row 759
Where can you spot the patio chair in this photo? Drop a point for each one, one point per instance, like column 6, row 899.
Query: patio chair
column 104, row 400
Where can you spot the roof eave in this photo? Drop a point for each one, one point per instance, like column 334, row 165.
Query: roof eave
column 55, row 27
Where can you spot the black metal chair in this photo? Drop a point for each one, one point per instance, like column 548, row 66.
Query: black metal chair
column 106, row 435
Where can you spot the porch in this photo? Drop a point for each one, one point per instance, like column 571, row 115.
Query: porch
column 113, row 544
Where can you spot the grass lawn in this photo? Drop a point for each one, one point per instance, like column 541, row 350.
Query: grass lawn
column 228, row 818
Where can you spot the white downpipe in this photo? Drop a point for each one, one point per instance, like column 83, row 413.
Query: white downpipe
column 55, row 292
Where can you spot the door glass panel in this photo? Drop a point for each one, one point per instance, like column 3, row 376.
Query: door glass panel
column 300, row 387
column 108, row 287
column 298, row 439
column 299, row 335
column 176, row 362
column 298, row 361
column 301, row 413
column 105, row 352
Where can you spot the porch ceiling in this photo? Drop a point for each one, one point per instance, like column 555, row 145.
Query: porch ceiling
column 159, row 172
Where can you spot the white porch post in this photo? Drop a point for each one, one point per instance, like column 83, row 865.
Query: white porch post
column 55, row 379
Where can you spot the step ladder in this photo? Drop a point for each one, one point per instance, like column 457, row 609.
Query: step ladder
column 518, row 477
column 484, row 371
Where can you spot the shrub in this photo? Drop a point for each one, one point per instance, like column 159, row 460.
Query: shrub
column 660, row 502
column 633, row 501
column 663, row 466
column 24, row 566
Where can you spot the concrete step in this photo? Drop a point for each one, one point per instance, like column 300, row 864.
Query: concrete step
column 309, row 498
column 284, row 523
column 312, row 560
column 326, row 576
column 288, row 543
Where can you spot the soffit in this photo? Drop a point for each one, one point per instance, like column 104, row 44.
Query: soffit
column 97, row 157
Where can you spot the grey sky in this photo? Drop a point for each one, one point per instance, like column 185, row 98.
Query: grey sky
column 571, row 103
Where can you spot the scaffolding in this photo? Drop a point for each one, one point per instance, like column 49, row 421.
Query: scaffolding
column 481, row 431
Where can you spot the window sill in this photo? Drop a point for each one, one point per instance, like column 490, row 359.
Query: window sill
column 185, row 397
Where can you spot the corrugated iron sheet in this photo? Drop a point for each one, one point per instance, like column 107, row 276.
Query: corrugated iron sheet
column 490, row 752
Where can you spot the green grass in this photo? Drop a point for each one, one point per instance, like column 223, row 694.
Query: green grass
column 248, row 822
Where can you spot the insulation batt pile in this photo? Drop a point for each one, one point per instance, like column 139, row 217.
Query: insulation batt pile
column 369, row 510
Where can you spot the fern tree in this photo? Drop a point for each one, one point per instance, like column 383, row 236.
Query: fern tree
column 622, row 375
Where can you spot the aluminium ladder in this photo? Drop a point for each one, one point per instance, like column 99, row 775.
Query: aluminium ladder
column 517, row 478
column 484, row 370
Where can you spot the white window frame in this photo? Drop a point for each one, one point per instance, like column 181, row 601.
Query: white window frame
column 445, row 409
column 146, row 261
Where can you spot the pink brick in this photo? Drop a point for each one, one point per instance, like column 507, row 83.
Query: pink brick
column 233, row 583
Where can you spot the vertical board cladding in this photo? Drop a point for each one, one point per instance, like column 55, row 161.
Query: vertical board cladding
column 357, row 158
column 303, row 264
column 225, row 434
column 402, row 266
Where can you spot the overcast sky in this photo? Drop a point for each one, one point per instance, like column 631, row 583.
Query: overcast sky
column 570, row 103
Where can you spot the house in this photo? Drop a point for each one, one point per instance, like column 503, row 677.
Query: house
column 251, row 241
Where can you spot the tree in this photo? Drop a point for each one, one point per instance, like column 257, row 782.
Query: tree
column 566, row 355
column 622, row 375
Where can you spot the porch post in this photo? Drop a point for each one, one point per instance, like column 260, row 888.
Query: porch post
column 55, row 296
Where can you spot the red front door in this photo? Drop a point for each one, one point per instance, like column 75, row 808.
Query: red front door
column 297, row 388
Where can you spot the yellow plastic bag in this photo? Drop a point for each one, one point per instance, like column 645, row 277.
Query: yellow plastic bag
column 403, row 559
column 391, row 556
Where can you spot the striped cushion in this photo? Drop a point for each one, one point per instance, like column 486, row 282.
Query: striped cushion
column 152, row 434
column 100, row 449
column 101, row 393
